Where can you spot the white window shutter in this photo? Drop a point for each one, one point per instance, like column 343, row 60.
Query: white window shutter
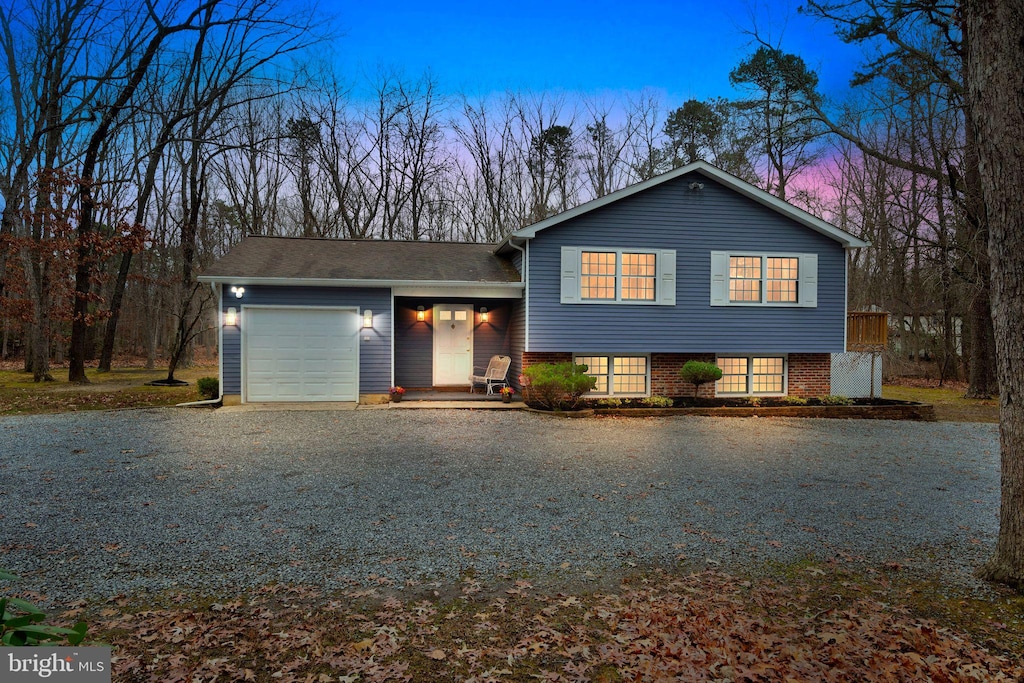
column 719, row 278
column 570, row 275
column 807, row 291
column 667, row 277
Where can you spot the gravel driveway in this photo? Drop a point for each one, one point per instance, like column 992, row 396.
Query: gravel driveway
column 102, row 503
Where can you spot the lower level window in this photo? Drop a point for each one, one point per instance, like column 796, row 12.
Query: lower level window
column 617, row 375
column 752, row 375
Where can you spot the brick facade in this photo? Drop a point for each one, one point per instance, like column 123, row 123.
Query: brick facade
column 810, row 374
column 665, row 379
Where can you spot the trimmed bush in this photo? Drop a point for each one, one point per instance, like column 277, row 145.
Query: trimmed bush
column 209, row 387
column 794, row 401
column 833, row 400
column 657, row 402
column 556, row 386
column 698, row 372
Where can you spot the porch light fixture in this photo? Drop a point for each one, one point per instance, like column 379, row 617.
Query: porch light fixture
column 238, row 292
column 231, row 317
column 367, row 318
column 483, row 314
column 421, row 314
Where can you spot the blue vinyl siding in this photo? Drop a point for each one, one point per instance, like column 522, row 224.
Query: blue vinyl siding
column 414, row 344
column 694, row 223
column 374, row 346
column 517, row 341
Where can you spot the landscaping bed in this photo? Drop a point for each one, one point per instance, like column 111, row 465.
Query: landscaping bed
column 858, row 408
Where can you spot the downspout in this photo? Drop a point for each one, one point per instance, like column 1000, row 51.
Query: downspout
column 526, row 294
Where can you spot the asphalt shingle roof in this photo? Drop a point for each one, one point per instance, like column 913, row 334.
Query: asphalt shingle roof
column 329, row 259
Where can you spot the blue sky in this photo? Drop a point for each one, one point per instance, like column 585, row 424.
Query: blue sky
column 683, row 49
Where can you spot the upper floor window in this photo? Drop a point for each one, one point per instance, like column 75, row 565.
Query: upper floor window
column 757, row 279
column 745, row 279
column 618, row 276
column 623, row 276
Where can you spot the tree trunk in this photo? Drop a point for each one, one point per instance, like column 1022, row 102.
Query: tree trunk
column 995, row 62
column 980, row 376
column 981, row 322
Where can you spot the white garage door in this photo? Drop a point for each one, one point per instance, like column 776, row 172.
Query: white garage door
column 296, row 354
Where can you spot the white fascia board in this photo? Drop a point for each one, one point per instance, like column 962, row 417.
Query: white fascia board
column 511, row 290
column 477, row 292
column 742, row 187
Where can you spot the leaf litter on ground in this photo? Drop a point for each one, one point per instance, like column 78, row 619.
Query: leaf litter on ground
column 708, row 626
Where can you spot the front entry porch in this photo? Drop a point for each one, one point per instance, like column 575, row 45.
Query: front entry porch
column 440, row 340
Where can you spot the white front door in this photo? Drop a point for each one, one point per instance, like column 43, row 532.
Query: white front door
column 453, row 344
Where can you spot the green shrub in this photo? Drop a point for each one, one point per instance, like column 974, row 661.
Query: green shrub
column 209, row 387
column 557, row 385
column 833, row 400
column 21, row 623
column 698, row 372
column 657, row 402
column 609, row 403
column 794, row 401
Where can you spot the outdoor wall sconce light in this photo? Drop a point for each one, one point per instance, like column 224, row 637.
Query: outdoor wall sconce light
column 484, row 317
column 238, row 292
column 421, row 314
column 367, row 318
column 231, row 317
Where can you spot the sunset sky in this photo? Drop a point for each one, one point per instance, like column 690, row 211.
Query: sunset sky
column 683, row 49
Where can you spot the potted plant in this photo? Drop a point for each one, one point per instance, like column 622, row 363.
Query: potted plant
column 506, row 393
column 396, row 394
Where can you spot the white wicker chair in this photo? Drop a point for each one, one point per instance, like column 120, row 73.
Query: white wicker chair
column 493, row 377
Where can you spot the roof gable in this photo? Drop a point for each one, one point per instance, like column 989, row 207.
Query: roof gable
column 711, row 172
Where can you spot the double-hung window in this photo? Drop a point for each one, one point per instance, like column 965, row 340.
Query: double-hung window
column 752, row 279
column 618, row 276
column 752, row 375
column 618, row 375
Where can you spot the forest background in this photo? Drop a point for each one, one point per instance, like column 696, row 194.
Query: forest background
column 140, row 141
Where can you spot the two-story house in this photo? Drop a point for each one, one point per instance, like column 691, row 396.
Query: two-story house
column 691, row 264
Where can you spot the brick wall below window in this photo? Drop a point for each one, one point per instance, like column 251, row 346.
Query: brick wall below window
column 810, row 374
column 665, row 379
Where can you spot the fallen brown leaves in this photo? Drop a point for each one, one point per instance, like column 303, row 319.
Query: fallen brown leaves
column 705, row 627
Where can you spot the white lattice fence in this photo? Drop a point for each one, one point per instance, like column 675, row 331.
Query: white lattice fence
column 852, row 375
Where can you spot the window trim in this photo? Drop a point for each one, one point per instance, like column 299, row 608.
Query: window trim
column 618, row 276
column 611, row 373
column 806, row 282
column 664, row 275
column 750, row 374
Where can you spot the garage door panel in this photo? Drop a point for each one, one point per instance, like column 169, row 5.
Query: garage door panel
column 301, row 355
